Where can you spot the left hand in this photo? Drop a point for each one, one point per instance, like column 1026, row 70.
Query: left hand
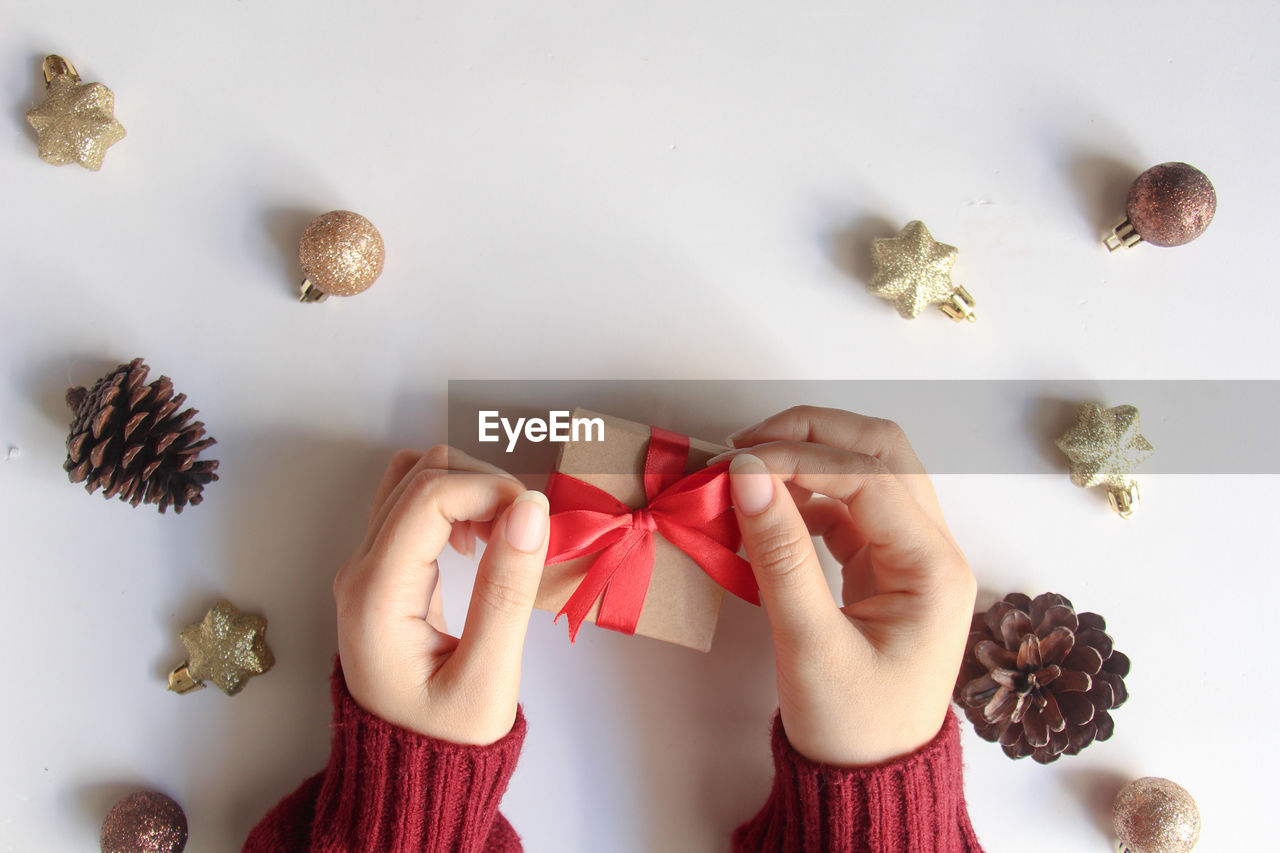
column 398, row 659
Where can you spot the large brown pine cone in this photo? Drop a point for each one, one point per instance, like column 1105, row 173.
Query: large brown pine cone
column 1039, row 678
column 129, row 439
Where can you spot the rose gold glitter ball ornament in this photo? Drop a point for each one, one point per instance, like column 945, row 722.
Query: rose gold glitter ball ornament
column 144, row 822
column 1154, row 815
column 1168, row 205
column 341, row 255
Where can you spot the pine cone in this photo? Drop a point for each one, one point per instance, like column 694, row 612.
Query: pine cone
column 127, row 439
column 1039, row 678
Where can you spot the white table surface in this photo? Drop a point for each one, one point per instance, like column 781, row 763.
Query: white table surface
column 613, row 190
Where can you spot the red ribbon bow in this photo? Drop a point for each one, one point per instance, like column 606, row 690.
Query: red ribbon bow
column 694, row 513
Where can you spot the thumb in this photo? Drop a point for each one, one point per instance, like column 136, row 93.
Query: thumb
column 793, row 588
column 506, row 585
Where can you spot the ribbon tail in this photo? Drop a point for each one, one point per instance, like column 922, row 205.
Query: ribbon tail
column 597, row 581
column 623, row 597
column 735, row 575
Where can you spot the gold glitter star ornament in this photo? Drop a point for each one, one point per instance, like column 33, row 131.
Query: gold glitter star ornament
column 227, row 647
column 913, row 270
column 1103, row 448
column 76, row 122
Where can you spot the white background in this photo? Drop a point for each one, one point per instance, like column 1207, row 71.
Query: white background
column 613, row 190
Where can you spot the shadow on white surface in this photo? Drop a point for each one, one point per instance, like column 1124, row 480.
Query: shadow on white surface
column 650, row 745
column 1047, row 420
column 1095, row 156
column 987, row 596
column 1096, row 790
column 704, row 748
column 282, row 226
column 32, row 94
column 1102, row 182
column 46, row 382
column 848, row 246
column 294, row 504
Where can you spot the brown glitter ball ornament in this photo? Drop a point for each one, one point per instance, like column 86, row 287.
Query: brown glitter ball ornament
column 1154, row 815
column 1168, row 205
column 129, row 439
column 341, row 255
column 1039, row 678
column 144, row 822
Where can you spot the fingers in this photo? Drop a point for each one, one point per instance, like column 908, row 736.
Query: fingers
column 793, row 588
column 829, row 520
column 439, row 458
column 870, row 436
column 821, row 513
column 505, row 588
column 435, row 610
column 908, row 545
column 463, row 538
column 400, row 571
column 401, row 464
column 877, row 437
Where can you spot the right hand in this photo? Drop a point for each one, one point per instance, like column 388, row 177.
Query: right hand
column 870, row 679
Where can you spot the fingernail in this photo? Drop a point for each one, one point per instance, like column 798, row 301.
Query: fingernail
column 527, row 522
column 733, row 437
column 720, row 457
column 750, row 483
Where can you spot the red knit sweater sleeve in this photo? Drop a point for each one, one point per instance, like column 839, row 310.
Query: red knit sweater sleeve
column 912, row 805
column 394, row 791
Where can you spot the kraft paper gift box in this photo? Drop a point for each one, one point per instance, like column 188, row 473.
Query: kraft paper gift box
column 682, row 603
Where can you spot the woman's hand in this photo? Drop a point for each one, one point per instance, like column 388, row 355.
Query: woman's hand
column 398, row 659
column 870, row 679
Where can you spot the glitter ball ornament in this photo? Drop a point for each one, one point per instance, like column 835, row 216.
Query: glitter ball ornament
column 341, row 255
column 144, row 822
column 1154, row 815
column 76, row 122
column 1168, row 205
column 131, row 440
column 1103, row 448
column 1039, row 678
column 913, row 270
column 227, row 647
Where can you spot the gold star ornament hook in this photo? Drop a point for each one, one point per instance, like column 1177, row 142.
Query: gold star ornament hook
column 76, row 122
column 227, row 647
column 1103, row 448
column 913, row 270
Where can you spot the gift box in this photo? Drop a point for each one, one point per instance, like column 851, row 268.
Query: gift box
column 643, row 535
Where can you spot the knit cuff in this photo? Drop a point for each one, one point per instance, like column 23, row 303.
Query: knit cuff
column 390, row 789
column 911, row 805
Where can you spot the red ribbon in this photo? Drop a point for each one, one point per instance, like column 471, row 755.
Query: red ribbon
column 694, row 513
